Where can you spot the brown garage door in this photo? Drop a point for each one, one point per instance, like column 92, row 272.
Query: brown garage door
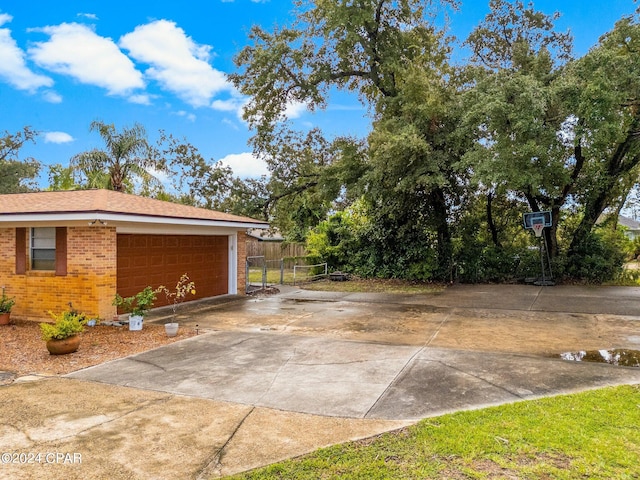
column 161, row 260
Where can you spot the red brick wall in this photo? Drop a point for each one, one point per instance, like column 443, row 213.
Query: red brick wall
column 90, row 283
column 242, row 260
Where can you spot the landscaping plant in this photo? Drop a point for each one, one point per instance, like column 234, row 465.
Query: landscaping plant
column 67, row 324
column 6, row 303
column 183, row 288
column 137, row 304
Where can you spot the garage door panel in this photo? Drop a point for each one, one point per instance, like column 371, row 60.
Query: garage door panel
column 140, row 261
column 139, row 241
column 171, row 260
column 156, row 259
column 156, row 243
column 203, row 258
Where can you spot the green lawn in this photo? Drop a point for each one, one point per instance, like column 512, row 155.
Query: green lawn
column 353, row 285
column 375, row 285
column 591, row 435
column 273, row 276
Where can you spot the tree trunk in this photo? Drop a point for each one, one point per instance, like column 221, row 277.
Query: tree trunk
column 444, row 246
column 552, row 233
column 592, row 211
column 491, row 223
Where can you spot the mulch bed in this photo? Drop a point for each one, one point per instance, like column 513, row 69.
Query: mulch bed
column 23, row 352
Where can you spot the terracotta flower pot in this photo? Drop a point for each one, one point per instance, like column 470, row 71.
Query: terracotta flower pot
column 64, row 346
column 5, row 318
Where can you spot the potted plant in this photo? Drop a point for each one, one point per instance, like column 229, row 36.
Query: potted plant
column 62, row 337
column 136, row 306
column 183, row 288
column 6, row 304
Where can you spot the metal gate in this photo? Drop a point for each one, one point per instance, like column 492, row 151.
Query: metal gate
column 255, row 273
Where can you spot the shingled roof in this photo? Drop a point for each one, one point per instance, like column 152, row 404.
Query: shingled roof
column 105, row 202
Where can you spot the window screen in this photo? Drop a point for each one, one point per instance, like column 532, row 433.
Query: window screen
column 43, row 248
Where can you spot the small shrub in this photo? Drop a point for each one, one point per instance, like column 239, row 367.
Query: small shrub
column 599, row 258
column 137, row 304
column 6, row 303
column 66, row 325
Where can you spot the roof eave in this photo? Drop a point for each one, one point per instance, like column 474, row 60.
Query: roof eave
column 125, row 218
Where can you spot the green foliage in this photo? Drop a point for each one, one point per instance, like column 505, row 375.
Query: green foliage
column 634, row 248
column 335, row 240
column 67, row 324
column 17, row 175
column 599, row 258
column 487, row 263
column 628, row 278
column 127, row 157
column 6, row 303
column 137, row 304
column 396, row 250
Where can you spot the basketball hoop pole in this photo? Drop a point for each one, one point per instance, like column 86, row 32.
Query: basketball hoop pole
column 544, row 251
column 538, row 221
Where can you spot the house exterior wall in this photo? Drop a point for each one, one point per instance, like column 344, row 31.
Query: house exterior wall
column 242, row 262
column 90, row 282
column 91, row 279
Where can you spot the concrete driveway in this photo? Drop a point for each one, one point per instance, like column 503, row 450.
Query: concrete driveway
column 277, row 376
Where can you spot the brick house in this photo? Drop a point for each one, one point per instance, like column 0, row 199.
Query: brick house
column 84, row 246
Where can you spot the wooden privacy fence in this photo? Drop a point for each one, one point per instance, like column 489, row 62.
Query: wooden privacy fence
column 275, row 250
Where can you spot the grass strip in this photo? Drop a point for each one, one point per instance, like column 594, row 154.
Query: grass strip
column 594, row 435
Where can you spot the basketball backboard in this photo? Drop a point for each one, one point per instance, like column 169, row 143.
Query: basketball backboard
column 531, row 218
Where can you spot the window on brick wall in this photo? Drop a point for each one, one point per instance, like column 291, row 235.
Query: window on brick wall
column 43, row 248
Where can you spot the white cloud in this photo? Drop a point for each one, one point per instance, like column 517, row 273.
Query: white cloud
column 140, row 99
column 51, row 96
column 228, row 122
column 189, row 116
column 90, row 16
column 13, row 67
column 229, row 105
column 57, row 137
column 176, row 62
column 295, row 109
column 245, row 165
column 76, row 50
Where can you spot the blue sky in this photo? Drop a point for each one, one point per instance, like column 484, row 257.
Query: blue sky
column 163, row 64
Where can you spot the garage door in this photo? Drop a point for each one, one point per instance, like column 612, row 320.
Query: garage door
column 161, row 260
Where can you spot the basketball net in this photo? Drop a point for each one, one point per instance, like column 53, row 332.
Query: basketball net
column 537, row 229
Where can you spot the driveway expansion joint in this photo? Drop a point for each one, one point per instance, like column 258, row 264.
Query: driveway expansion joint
column 215, row 464
column 477, row 377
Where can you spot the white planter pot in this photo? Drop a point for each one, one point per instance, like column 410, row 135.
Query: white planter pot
column 135, row 322
column 171, row 329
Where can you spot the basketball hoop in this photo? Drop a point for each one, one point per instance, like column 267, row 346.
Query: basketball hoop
column 537, row 229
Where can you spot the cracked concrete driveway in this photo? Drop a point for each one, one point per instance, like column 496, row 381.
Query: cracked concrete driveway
column 274, row 377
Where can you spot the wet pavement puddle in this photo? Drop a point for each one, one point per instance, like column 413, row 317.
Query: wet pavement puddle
column 617, row 356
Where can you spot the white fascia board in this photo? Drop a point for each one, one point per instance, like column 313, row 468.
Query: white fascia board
column 164, row 229
column 66, row 218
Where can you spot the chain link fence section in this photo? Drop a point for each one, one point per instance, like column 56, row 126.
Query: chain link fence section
column 309, row 273
column 255, row 273
column 262, row 273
